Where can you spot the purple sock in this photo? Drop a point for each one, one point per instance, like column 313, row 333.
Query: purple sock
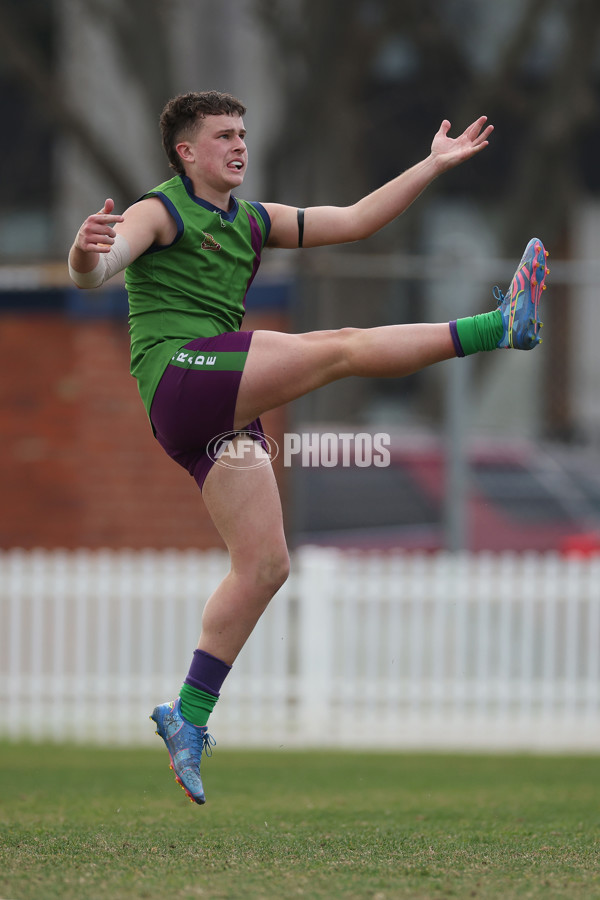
column 207, row 673
column 455, row 339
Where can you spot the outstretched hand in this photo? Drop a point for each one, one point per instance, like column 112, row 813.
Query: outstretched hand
column 449, row 152
column 97, row 233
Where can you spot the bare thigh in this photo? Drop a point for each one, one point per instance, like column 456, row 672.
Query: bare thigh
column 282, row 367
column 245, row 507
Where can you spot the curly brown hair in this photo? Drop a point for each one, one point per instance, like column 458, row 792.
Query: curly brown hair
column 183, row 114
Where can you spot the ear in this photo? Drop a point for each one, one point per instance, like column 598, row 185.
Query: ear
column 185, row 151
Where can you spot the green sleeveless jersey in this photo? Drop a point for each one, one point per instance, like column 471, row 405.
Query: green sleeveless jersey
column 194, row 287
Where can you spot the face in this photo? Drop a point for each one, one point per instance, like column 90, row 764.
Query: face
column 216, row 158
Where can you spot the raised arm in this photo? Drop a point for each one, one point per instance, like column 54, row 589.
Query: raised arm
column 106, row 242
column 338, row 225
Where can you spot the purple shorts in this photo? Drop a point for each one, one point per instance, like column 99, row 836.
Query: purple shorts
column 194, row 405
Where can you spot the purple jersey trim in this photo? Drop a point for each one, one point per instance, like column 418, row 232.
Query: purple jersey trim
column 256, row 240
column 264, row 216
column 153, row 248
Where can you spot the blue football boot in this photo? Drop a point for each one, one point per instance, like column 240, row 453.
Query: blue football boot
column 519, row 306
column 185, row 743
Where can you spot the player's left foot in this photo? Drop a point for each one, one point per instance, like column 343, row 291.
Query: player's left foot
column 519, row 306
column 185, row 743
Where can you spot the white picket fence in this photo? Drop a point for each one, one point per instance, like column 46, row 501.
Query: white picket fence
column 365, row 650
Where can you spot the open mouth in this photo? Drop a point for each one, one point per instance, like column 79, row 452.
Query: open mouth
column 237, row 164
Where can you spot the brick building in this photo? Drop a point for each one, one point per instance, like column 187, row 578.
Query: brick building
column 78, row 463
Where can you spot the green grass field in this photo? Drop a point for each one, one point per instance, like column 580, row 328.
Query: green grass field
column 80, row 824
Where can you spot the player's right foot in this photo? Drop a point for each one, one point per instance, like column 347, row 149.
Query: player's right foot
column 185, row 743
column 519, row 306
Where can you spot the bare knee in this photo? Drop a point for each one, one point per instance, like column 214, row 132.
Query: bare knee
column 274, row 570
column 266, row 572
column 337, row 359
column 348, row 338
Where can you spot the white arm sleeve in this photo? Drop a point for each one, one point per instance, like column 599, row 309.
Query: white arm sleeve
column 117, row 259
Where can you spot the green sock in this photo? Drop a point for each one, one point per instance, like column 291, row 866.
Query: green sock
column 482, row 332
column 196, row 705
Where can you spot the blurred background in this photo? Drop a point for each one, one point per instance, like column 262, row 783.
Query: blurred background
column 494, row 453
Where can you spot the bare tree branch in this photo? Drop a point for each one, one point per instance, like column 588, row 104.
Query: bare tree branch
column 22, row 59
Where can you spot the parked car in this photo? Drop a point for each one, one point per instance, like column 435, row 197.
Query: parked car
column 520, row 496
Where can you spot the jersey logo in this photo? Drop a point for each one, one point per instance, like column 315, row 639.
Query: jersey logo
column 209, row 242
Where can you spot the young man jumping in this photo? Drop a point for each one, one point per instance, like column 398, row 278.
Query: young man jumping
column 190, row 250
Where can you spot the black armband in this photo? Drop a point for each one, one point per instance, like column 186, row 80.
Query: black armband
column 300, row 227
